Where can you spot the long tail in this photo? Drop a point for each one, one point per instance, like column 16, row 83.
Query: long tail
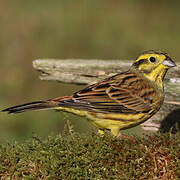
column 37, row 105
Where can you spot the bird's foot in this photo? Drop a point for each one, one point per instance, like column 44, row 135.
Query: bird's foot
column 127, row 137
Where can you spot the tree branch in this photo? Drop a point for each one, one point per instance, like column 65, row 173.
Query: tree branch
column 81, row 71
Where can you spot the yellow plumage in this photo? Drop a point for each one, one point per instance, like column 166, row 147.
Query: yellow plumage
column 118, row 102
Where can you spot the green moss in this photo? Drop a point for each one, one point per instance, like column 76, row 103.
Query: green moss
column 74, row 156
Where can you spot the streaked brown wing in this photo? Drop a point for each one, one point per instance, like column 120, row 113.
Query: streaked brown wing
column 123, row 93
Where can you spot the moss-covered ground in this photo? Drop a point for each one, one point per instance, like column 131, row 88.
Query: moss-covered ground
column 75, row 156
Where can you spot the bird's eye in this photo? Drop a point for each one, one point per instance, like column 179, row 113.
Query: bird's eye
column 152, row 59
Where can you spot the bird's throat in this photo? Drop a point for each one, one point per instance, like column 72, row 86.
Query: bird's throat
column 157, row 75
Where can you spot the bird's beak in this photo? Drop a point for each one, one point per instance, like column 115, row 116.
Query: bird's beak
column 169, row 62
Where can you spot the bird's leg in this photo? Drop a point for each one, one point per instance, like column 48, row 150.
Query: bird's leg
column 101, row 132
column 127, row 137
column 116, row 133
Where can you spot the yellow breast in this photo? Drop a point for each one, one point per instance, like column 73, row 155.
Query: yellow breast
column 110, row 121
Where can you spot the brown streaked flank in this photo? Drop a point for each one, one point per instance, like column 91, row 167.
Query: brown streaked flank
column 118, row 102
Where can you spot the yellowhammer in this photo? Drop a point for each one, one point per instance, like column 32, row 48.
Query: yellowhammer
column 118, row 102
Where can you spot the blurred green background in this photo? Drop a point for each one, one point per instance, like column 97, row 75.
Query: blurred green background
column 100, row 29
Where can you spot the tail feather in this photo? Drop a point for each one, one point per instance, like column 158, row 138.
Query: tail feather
column 37, row 105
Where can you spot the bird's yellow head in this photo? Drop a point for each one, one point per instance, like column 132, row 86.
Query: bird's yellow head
column 153, row 65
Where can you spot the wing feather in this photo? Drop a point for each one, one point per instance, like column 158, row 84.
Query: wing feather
column 123, row 93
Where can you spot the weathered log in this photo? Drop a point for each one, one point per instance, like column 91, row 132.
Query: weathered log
column 79, row 71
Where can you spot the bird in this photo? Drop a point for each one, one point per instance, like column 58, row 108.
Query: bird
column 119, row 102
